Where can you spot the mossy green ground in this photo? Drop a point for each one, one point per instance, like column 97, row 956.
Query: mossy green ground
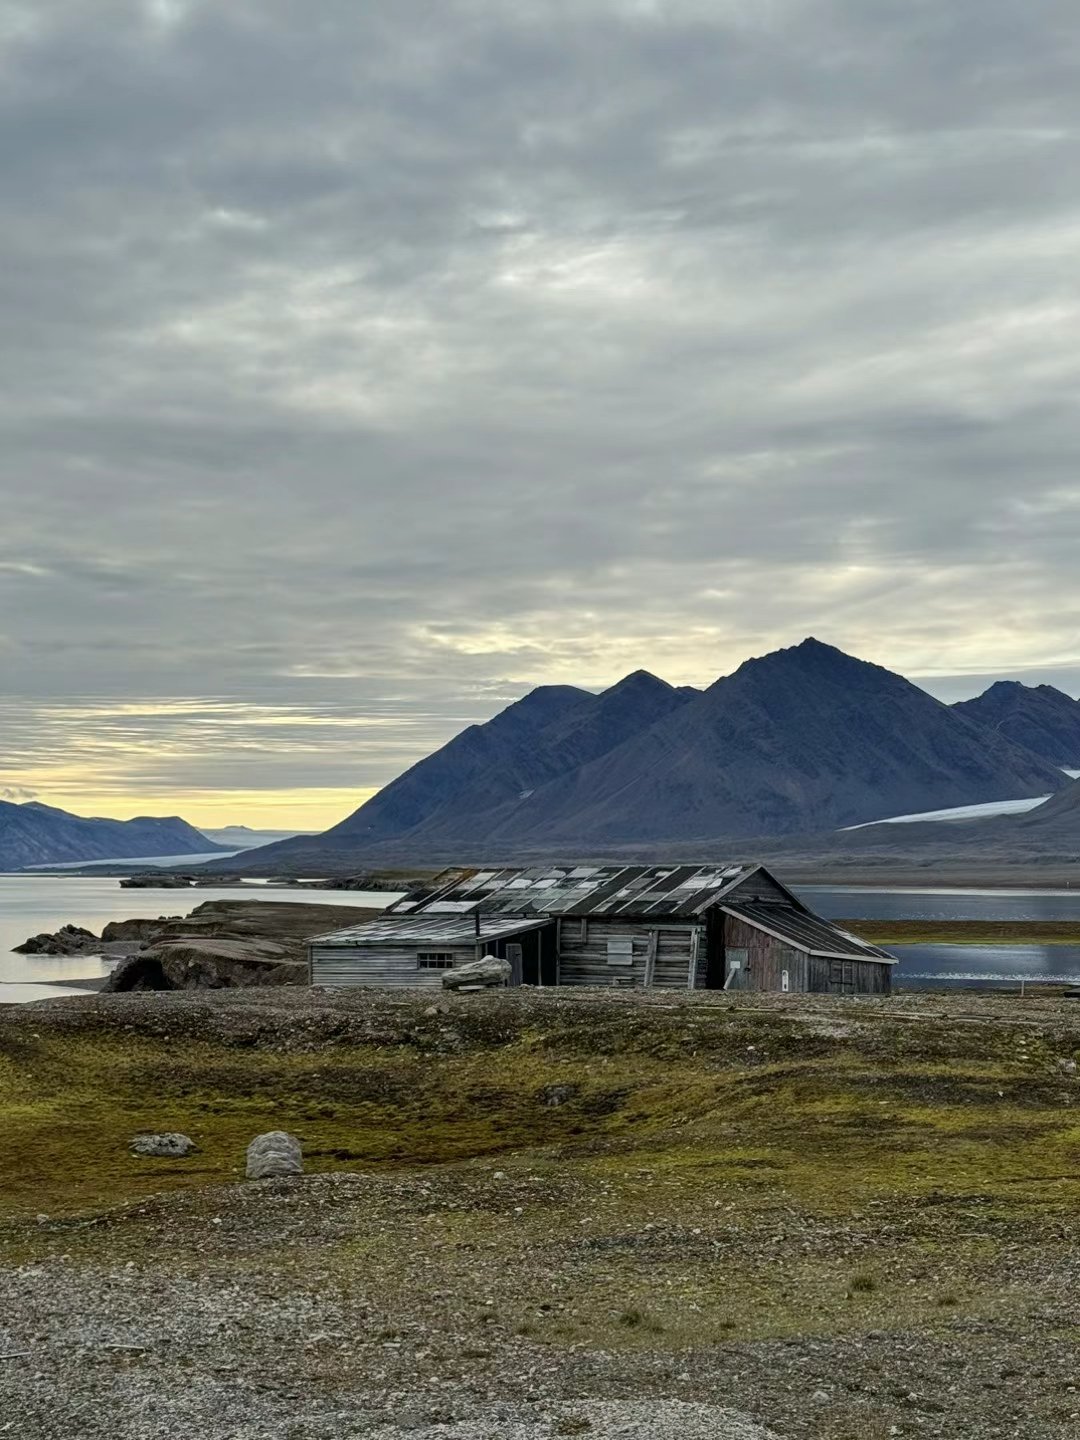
column 884, row 1109
column 716, row 1172
column 965, row 932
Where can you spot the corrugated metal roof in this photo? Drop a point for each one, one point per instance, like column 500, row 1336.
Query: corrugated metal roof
column 656, row 890
column 805, row 931
column 438, row 929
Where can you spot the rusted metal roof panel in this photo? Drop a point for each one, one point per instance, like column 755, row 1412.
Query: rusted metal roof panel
column 427, row 928
column 804, row 931
column 668, row 890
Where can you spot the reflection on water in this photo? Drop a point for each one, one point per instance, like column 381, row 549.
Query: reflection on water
column 923, row 965
column 21, row 994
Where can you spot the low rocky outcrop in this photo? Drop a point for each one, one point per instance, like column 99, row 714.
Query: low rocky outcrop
column 157, row 880
column 68, row 940
column 198, row 963
column 484, row 974
column 273, row 1155
column 143, row 930
column 170, row 1146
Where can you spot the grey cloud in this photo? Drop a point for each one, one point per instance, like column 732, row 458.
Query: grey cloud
column 351, row 355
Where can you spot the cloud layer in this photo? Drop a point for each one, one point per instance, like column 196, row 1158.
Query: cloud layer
column 362, row 366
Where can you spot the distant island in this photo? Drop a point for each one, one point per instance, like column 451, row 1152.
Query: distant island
column 36, row 834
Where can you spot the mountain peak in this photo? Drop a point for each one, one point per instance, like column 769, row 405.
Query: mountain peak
column 638, row 681
column 1039, row 717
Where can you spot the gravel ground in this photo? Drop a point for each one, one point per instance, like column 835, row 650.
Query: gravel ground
column 577, row 1288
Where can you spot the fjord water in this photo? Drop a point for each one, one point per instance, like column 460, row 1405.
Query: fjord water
column 30, row 904
column 962, row 965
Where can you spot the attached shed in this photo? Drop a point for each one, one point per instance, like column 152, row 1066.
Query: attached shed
column 406, row 952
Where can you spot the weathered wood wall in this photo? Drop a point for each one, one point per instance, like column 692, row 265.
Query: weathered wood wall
column 662, row 955
column 849, row 977
column 758, row 886
column 766, row 959
column 394, row 966
column 384, row 965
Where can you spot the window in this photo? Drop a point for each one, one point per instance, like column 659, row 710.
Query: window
column 434, row 960
column 620, row 952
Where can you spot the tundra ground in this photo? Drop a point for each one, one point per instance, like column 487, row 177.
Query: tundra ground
column 839, row 1218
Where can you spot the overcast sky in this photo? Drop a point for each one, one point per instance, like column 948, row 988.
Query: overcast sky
column 363, row 365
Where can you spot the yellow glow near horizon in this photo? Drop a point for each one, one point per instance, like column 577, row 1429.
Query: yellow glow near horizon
column 213, row 809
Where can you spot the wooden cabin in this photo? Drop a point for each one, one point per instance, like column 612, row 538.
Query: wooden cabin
column 680, row 927
column 403, row 951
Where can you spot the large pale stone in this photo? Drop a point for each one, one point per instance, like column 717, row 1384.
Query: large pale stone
column 274, row 1153
column 489, row 971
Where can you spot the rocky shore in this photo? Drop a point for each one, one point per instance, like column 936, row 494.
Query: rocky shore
column 221, row 944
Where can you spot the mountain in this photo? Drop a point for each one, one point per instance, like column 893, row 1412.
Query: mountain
column 805, row 739
column 1038, row 716
column 489, row 769
column 36, row 834
column 1058, row 817
column 242, row 837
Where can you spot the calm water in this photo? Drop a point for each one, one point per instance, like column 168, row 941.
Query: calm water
column 31, row 904
column 961, row 965
column 855, row 902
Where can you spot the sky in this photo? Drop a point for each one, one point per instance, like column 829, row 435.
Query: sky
column 363, row 366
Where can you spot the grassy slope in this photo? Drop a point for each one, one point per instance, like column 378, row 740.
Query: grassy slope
column 722, row 1171
column 965, row 932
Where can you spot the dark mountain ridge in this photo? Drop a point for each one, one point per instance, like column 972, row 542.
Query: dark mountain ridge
column 36, row 834
column 802, row 739
column 805, row 739
column 489, row 769
column 1039, row 717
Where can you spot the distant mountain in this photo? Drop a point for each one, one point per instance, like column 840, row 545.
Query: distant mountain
column 1058, row 817
column 489, row 769
column 36, row 834
column 1038, row 716
column 242, row 837
column 803, row 740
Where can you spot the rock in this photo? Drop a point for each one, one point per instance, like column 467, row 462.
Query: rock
column 117, row 930
column 157, row 881
column 1067, row 1067
column 170, row 1146
column 485, row 973
column 555, row 1095
column 274, row 1154
column 198, row 962
column 68, row 940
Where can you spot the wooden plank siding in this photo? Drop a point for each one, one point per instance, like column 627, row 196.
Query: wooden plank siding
column 766, row 959
column 849, row 977
column 386, row 966
column 395, row 966
column 660, row 954
column 759, row 885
